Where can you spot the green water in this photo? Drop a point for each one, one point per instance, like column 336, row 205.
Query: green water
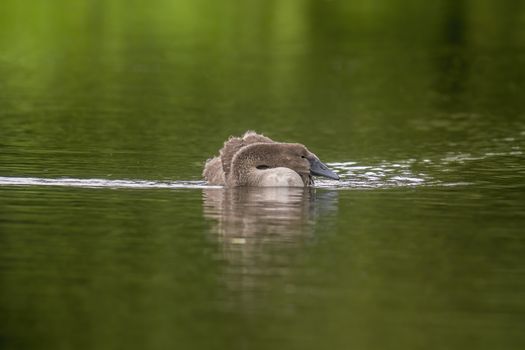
column 109, row 239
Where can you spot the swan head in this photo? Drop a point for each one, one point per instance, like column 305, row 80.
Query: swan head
column 293, row 156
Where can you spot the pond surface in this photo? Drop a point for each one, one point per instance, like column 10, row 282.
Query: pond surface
column 110, row 239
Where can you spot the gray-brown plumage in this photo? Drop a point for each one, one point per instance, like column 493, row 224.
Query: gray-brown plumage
column 256, row 160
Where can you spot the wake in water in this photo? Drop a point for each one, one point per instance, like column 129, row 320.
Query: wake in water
column 352, row 175
column 384, row 174
column 101, row 183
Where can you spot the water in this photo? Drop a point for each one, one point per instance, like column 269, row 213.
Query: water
column 110, row 239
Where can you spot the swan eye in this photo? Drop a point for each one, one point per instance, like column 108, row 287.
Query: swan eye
column 262, row 167
column 303, row 157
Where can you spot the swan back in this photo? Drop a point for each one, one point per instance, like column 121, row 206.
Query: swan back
column 256, row 160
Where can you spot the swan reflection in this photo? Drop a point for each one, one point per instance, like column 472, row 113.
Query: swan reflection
column 260, row 231
column 273, row 214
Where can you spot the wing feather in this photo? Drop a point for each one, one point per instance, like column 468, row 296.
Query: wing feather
column 234, row 145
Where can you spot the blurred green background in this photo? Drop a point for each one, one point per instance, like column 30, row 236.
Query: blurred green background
column 149, row 90
column 166, row 79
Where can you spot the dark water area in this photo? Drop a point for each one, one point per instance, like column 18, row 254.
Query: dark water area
column 110, row 239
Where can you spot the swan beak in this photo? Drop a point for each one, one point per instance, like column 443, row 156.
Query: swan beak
column 318, row 168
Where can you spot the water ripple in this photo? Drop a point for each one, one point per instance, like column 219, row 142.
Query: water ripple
column 350, row 178
column 383, row 174
column 101, row 183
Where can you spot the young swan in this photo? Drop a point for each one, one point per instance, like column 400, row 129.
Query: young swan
column 255, row 160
